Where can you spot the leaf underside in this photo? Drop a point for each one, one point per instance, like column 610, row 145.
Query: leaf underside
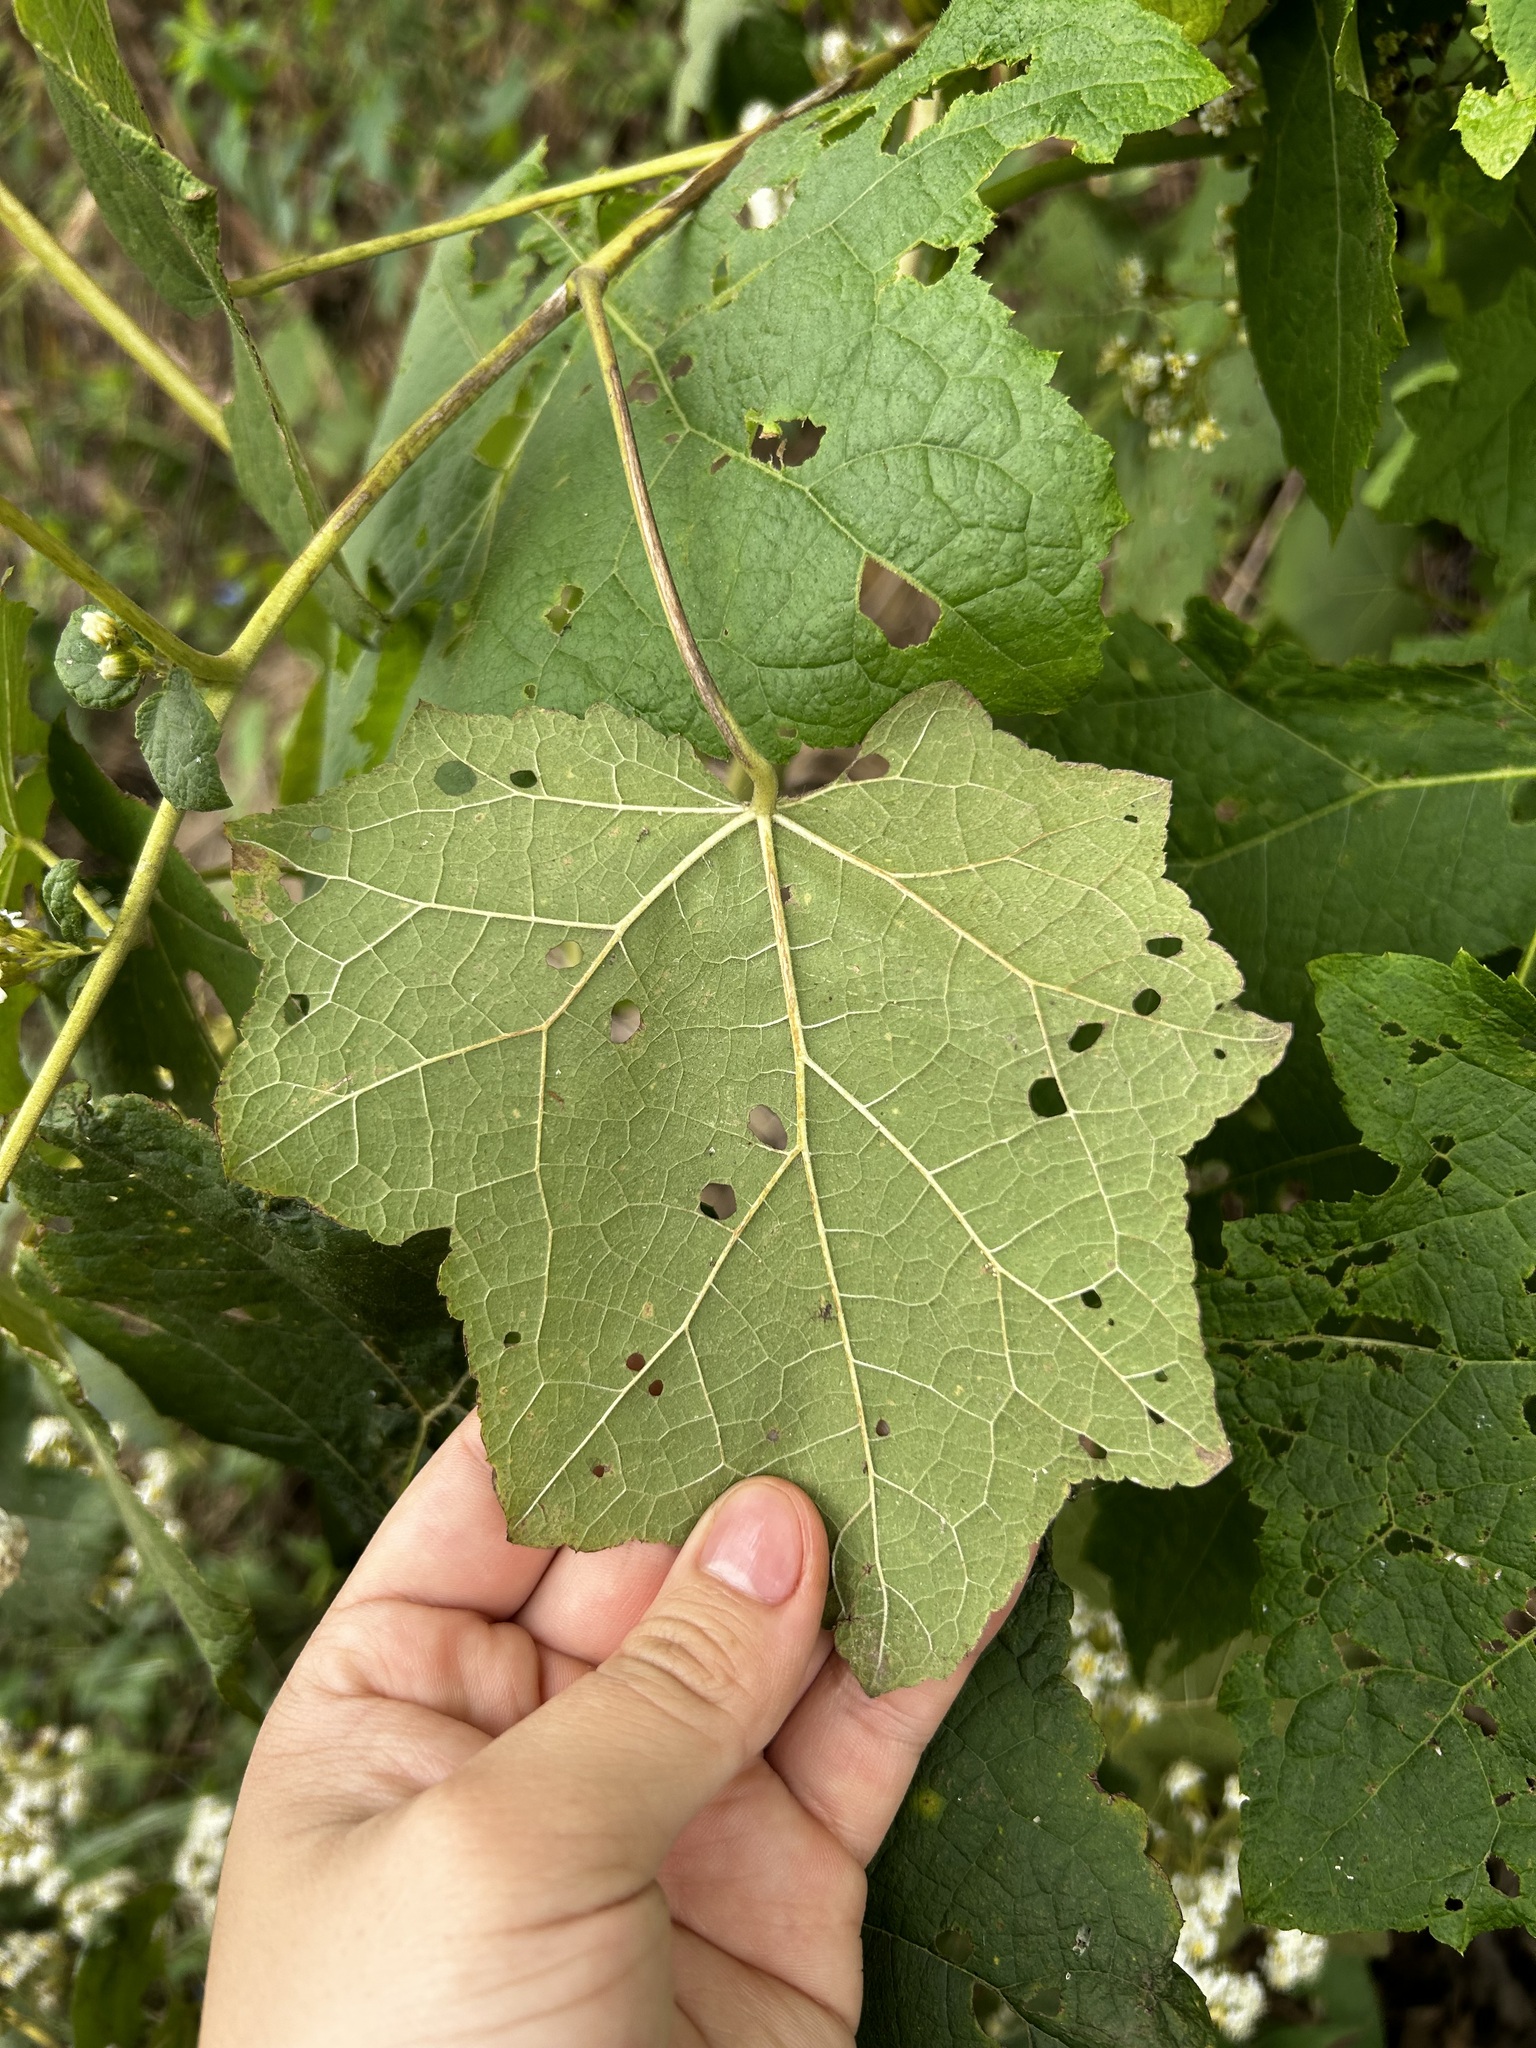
column 1375, row 1370
column 763, row 1148
column 920, row 436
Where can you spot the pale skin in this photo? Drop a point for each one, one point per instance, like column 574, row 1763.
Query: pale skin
column 516, row 1798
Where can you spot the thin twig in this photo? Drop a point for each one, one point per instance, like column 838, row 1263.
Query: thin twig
column 207, row 667
column 130, row 337
column 1244, row 584
column 124, row 936
column 764, row 777
column 482, row 217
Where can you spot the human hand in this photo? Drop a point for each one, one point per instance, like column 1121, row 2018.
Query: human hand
column 545, row 1799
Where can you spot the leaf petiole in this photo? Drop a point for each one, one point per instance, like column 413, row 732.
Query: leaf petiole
column 763, row 775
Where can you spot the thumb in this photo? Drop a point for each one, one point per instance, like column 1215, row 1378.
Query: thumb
column 598, row 1784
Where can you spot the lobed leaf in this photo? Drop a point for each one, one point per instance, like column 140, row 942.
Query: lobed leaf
column 843, row 1144
column 820, row 429
column 1013, row 1896
column 1376, row 1375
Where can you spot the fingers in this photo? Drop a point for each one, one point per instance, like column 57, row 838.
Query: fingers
column 601, row 1780
column 444, row 1542
column 849, row 1759
column 588, row 1601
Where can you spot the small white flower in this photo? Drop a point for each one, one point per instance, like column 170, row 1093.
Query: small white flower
column 13, row 1548
column 1131, row 276
column 1293, row 1959
column 1207, row 434
column 51, row 1444
column 85, row 1906
column 100, row 628
column 1145, row 369
column 1183, row 1780
column 201, row 1855
column 1236, row 1999
column 754, row 114
column 836, row 51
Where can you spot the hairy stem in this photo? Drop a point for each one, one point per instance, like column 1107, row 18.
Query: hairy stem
column 124, row 936
column 482, row 217
column 130, row 337
column 213, row 668
column 764, row 777
column 1007, row 187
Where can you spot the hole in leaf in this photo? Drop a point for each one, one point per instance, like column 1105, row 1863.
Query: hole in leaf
column 1421, row 1053
column 718, row 464
column 295, row 1009
column 1454, row 1905
column 1502, row 1878
column 624, row 1020
column 1436, row 1171
column 1091, row 1298
column 722, row 277
column 1165, row 947
column 1145, row 1002
column 523, row 778
column 566, row 954
column 635, row 1362
column 1090, row 1449
column 785, row 444
column 867, row 768
column 954, row 1945
column 717, row 1198
column 1161, row 1376
column 882, row 1427
column 848, row 124
column 926, row 264
column 1217, row 1053
column 767, row 206
column 1393, row 1031
column 655, row 1390
column 767, row 1126
column 1130, row 818
column 903, row 613
column 1480, row 1718
column 455, row 778
column 1046, row 1098
column 786, row 894
column 1084, row 1036
column 680, row 369
column 642, row 388
column 1522, row 803
column 1517, row 1623
column 567, row 602
column 1153, row 1416
column 1528, row 1409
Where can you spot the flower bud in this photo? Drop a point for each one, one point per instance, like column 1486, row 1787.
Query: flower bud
column 118, row 667
column 100, row 628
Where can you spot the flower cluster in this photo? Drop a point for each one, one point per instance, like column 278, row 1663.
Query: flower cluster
column 1101, row 1671
column 1160, row 387
column 201, row 1855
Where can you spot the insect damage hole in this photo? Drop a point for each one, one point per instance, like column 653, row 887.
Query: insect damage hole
column 1090, row 1449
column 635, row 1362
column 767, row 206
column 624, row 1020
column 767, row 1126
column 642, row 388
column 523, row 778
column 566, row 954
column 717, row 1199
column 1046, row 1098
column 1085, row 1037
column 785, row 444
column 905, row 615
column 295, row 1009
column 565, row 607
column 1166, row 947
column 1145, row 1002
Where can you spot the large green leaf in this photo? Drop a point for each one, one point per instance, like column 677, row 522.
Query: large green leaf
column 843, row 1145
column 1376, row 1373
column 1314, row 247
column 1317, row 810
column 167, row 221
column 943, row 456
column 1469, row 455
column 259, row 1323
column 1012, row 1896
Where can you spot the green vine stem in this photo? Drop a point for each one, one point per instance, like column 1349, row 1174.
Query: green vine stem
column 130, row 337
column 483, row 217
column 761, row 772
column 211, row 668
column 1525, row 973
column 123, row 938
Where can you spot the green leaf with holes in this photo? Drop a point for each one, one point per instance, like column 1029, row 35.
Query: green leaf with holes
column 259, row 1323
column 1375, row 1367
column 844, row 1145
column 818, row 425
column 1318, row 810
column 1012, row 1893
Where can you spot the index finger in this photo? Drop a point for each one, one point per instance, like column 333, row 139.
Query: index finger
column 444, row 1542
